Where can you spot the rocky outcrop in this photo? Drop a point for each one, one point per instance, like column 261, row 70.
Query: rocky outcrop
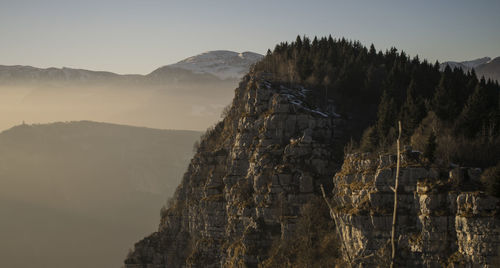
column 254, row 171
column 438, row 224
column 247, row 182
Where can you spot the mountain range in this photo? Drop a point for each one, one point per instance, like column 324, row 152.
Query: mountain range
column 190, row 94
column 486, row 66
column 80, row 192
column 211, row 65
column 208, row 66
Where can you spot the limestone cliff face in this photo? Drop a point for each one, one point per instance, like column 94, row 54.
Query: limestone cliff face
column 254, row 171
column 245, row 185
column 438, row 224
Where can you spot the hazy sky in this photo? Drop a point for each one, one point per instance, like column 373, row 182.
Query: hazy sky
column 138, row 36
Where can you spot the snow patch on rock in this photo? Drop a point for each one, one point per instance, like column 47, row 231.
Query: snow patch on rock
column 222, row 63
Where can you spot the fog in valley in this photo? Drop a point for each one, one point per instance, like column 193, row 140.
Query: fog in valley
column 87, row 159
column 83, row 192
column 190, row 106
column 153, row 134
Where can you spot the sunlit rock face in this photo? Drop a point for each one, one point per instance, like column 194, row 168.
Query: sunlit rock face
column 254, row 171
column 245, row 186
column 437, row 224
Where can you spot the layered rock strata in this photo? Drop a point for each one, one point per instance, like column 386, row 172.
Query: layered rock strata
column 439, row 224
column 245, row 185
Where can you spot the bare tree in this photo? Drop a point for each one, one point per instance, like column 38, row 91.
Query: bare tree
column 334, row 217
column 395, row 189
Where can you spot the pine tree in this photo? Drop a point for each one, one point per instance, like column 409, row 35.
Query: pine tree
column 386, row 117
column 373, row 51
column 298, row 42
column 475, row 113
column 430, row 147
column 369, row 140
column 413, row 110
column 443, row 104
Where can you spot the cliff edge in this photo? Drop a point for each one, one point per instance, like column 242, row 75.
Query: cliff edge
column 245, row 185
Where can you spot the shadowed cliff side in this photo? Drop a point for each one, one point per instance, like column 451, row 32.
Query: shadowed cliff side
column 246, row 184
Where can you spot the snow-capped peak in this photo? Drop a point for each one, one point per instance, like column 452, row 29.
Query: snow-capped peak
column 222, row 63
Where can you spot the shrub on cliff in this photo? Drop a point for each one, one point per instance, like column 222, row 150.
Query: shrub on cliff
column 430, row 147
column 314, row 243
column 491, row 180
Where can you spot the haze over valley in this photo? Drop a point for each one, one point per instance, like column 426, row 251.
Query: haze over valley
column 83, row 192
column 290, row 134
column 190, row 94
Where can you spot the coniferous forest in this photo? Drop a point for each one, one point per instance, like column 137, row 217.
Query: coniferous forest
column 452, row 116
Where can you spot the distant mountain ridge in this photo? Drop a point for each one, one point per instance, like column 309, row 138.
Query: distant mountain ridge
column 211, row 65
column 29, row 72
column 466, row 65
column 190, row 94
column 486, row 66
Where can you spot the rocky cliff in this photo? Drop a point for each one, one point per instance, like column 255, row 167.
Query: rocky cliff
column 253, row 172
column 440, row 222
column 245, row 185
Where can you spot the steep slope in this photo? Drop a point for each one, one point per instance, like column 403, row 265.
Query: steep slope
column 253, row 172
column 247, row 182
column 250, row 196
column 81, row 192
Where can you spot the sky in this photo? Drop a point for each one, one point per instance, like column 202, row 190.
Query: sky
column 139, row 36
